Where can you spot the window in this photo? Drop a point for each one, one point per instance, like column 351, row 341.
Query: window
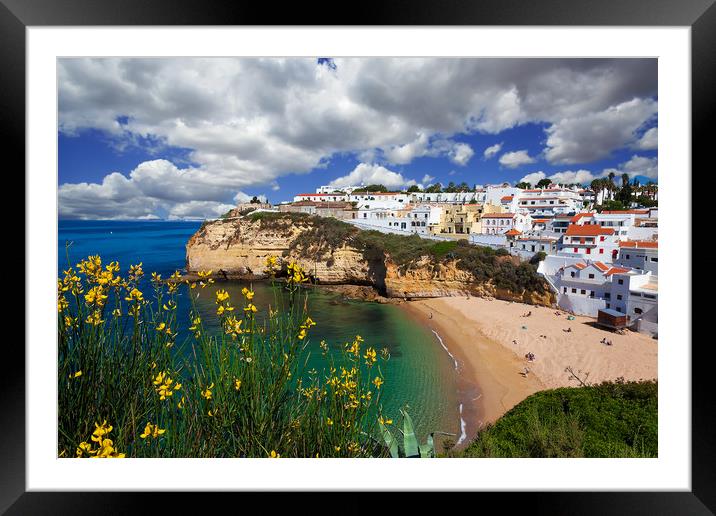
column 582, row 291
column 565, row 290
column 574, row 291
column 591, row 293
column 601, row 251
column 637, row 310
column 619, row 297
column 621, row 281
column 608, row 306
column 575, row 250
column 572, row 274
column 601, row 239
column 607, row 295
column 654, row 260
column 627, row 257
column 591, row 276
column 589, row 251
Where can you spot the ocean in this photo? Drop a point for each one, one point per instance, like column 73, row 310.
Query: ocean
column 419, row 376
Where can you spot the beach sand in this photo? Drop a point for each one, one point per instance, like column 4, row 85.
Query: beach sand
column 480, row 333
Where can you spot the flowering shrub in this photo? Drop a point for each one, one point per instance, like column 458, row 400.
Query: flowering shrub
column 236, row 390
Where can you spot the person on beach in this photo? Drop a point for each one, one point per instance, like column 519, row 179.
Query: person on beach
column 431, row 315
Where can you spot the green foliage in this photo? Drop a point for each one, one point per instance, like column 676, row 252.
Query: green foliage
column 326, row 234
column 538, row 257
column 543, row 183
column 523, row 185
column 612, row 419
column 375, row 188
column 414, row 188
column 647, row 202
column 238, row 388
column 608, row 205
column 411, row 448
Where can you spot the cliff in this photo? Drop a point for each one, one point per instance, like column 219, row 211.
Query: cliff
column 336, row 253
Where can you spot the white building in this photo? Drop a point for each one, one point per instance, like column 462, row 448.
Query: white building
column 549, row 202
column 424, row 217
column 585, row 287
column 642, row 255
column 379, row 200
column 501, row 223
column 590, row 241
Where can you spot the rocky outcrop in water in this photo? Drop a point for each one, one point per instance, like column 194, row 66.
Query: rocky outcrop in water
column 237, row 249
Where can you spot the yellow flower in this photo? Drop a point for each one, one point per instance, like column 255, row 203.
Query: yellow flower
column 207, row 392
column 171, row 305
column 151, row 430
column 385, row 421
column 95, row 296
column 237, row 384
column 156, row 278
column 221, row 296
column 161, row 326
column 180, row 405
column 100, row 431
column 204, row 274
column 250, row 308
column 302, row 334
column 222, row 309
column 378, row 382
column 84, row 447
column 248, row 294
column 117, row 312
column 95, row 318
column 75, row 375
column 370, row 356
column 274, row 455
column 329, row 421
column 135, row 295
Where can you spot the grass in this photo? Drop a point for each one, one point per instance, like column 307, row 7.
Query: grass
column 612, row 419
column 131, row 386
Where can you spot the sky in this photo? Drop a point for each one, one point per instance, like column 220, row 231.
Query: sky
column 185, row 138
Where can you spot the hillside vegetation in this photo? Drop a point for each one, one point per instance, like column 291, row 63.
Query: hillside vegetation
column 612, row 419
column 323, row 235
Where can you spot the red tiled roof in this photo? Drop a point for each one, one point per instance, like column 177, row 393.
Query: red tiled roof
column 539, row 220
column 616, row 270
column 601, row 266
column 507, row 198
column 579, row 216
column 513, row 232
column 642, row 244
column 588, row 230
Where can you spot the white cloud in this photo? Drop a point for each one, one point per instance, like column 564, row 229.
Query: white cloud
column 594, row 136
column 649, row 140
column 533, row 178
column 516, row 159
column 641, row 166
column 248, row 121
column 153, row 188
column 492, row 150
column 369, row 174
column 461, row 154
column 428, row 179
column 573, row 176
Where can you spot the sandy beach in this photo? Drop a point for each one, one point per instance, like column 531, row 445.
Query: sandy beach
column 487, row 338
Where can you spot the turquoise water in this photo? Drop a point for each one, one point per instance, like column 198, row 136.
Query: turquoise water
column 419, row 374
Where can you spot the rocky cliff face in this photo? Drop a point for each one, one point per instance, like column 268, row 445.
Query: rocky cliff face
column 237, row 249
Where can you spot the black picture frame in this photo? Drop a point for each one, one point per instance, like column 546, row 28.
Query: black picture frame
column 700, row 15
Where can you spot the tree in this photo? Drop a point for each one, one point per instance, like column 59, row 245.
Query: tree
column 414, row 188
column 523, row 185
column 376, row 188
column 255, row 200
column 435, row 188
column 463, row 187
column 543, row 183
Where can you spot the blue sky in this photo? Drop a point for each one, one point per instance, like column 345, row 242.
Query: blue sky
column 188, row 138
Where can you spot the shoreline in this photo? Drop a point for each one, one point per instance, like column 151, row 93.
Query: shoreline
column 488, row 339
column 488, row 379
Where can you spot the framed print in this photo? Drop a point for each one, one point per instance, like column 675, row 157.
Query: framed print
column 433, row 234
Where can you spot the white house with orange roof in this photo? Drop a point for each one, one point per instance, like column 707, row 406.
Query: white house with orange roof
column 584, row 287
column 590, row 241
column 549, row 202
column 639, row 254
column 501, row 223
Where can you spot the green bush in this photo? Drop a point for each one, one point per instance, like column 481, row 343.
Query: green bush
column 612, row 419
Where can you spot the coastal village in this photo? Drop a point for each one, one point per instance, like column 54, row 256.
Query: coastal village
column 601, row 263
